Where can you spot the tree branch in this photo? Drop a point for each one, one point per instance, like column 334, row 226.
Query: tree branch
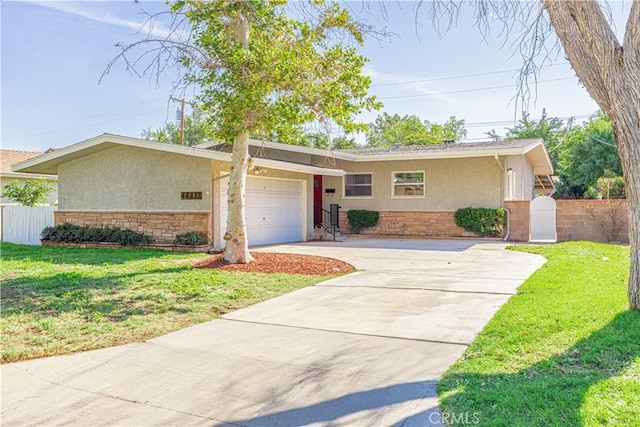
column 600, row 39
column 581, row 50
column 631, row 43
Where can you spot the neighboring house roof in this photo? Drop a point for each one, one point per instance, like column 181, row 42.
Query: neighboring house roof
column 48, row 163
column 10, row 157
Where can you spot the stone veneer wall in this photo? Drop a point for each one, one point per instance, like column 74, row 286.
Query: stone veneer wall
column 518, row 217
column 162, row 226
column 410, row 223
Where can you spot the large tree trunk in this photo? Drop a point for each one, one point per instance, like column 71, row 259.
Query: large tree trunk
column 236, row 250
column 627, row 134
column 609, row 72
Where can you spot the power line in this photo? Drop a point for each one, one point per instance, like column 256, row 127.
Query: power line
column 472, row 90
column 508, row 122
column 19, row 134
column 596, row 139
column 464, row 76
column 29, row 135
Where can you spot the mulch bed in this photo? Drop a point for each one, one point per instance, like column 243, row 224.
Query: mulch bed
column 265, row 262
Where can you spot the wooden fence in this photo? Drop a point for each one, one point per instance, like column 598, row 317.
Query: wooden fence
column 23, row 224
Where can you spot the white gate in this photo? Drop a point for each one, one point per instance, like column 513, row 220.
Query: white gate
column 542, row 219
column 23, row 224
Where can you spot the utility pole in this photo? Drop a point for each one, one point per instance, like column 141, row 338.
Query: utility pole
column 182, row 102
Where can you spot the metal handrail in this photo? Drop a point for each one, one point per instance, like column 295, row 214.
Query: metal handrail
column 329, row 223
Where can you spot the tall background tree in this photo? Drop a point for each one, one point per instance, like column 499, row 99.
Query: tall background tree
column 606, row 66
column 581, row 155
column 196, row 130
column 589, row 154
column 388, row 130
column 259, row 70
column 550, row 129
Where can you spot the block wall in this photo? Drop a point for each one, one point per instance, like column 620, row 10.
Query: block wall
column 518, row 217
column 593, row 220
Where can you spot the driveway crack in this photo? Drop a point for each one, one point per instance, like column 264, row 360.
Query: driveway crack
column 408, row 288
column 464, row 344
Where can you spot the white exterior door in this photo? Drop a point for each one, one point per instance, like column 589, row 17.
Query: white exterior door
column 542, row 217
column 274, row 210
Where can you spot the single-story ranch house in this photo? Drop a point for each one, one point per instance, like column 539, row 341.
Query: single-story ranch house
column 164, row 189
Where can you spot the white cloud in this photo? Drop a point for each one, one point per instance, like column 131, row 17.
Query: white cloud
column 88, row 11
column 390, row 84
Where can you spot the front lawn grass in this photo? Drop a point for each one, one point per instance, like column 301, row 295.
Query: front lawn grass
column 564, row 351
column 64, row 300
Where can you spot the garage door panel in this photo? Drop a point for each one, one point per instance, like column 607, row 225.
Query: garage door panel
column 273, row 210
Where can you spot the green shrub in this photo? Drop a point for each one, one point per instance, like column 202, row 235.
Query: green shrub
column 607, row 188
column 77, row 234
column 132, row 238
column 484, row 222
column 360, row 218
column 192, row 238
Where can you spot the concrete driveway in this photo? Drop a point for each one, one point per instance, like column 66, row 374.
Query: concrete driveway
column 361, row 350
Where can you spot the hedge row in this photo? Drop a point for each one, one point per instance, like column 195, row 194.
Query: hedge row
column 70, row 233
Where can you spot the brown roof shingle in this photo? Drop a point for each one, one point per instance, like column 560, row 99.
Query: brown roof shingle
column 466, row 146
column 10, row 157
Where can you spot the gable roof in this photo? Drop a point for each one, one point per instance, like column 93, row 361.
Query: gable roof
column 533, row 149
column 10, row 157
column 48, row 163
column 455, row 147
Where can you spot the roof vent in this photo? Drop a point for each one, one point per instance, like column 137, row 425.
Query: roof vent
column 449, row 141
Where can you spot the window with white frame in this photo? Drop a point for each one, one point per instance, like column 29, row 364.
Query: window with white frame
column 358, row 185
column 408, row 184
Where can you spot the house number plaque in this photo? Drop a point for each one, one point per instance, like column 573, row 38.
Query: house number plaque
column 191, row 195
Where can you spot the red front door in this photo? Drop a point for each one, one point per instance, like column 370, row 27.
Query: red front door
column 317, row 200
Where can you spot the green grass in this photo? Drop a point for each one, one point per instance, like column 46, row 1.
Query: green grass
column 564, row 351
column 64, row 300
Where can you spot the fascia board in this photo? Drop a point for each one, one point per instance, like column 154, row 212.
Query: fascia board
column 439, row 155
column 109, row 140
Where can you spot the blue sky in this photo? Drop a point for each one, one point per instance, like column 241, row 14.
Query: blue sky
column 53, row 54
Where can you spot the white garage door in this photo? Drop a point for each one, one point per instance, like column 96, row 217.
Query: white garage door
column 273, row 210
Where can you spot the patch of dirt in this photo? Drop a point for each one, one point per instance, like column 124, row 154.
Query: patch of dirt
column 265, row 262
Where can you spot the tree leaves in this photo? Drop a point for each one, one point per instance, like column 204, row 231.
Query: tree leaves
column 292, row 72
column 388, row 130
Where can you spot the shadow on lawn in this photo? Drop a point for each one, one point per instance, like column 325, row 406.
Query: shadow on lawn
column 86, row 256
column 75, row 292
column 552, row 392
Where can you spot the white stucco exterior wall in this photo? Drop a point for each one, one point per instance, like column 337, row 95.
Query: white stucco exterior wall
column 523, row 176
column 450, row 184
column 134, row 179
